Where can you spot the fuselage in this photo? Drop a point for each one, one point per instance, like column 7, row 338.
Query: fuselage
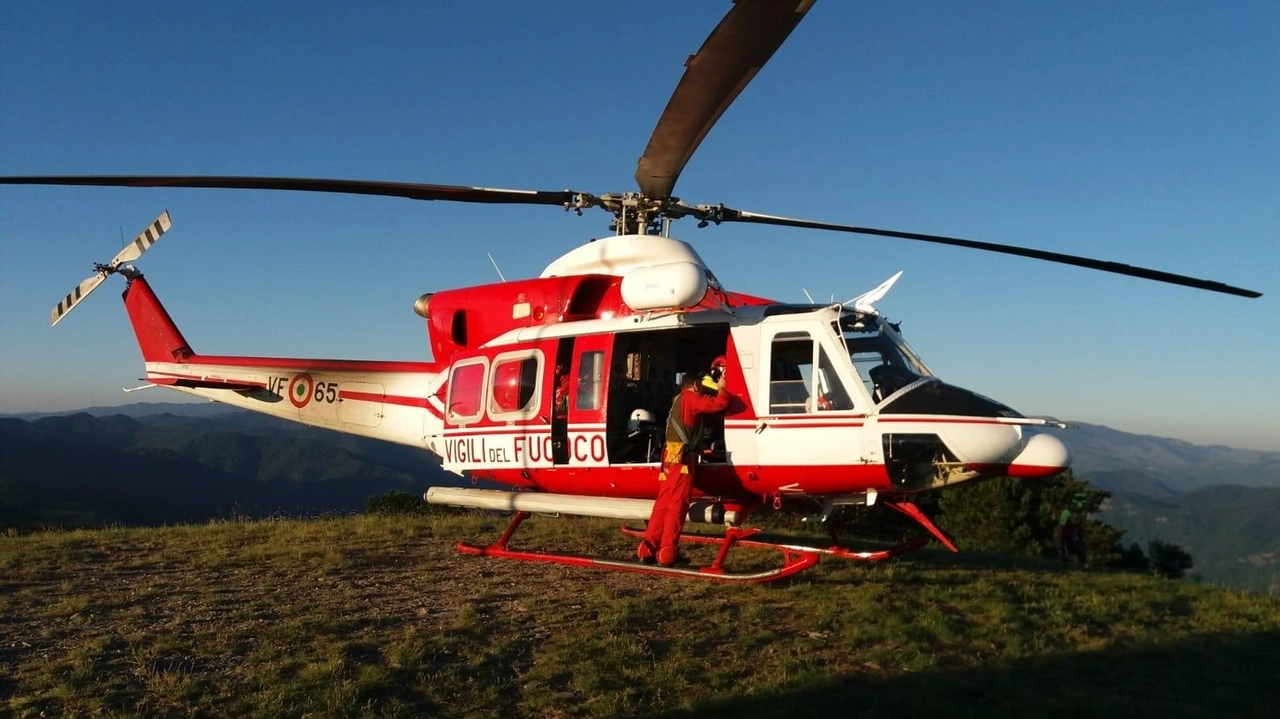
column 828, row 401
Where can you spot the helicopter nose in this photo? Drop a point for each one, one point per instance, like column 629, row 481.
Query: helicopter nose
column 1043, row 456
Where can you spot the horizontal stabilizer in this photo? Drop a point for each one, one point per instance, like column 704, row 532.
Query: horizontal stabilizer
column 207, row 383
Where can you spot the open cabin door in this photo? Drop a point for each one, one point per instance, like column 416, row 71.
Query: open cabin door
column 644, row 380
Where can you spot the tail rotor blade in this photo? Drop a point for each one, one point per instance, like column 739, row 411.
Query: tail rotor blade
column 144, row 240
column 131, row 252
column 75, row 297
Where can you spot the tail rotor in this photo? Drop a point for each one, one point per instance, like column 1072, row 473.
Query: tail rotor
column 131, row 252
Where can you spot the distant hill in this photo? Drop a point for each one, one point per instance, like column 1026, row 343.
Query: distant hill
column 1130, row 481
column 164, row 468
column 1097, row 451
column 166, row 462
column 1219, row 503
column 1232, row 532
column 202, row 408
column 1178, row 465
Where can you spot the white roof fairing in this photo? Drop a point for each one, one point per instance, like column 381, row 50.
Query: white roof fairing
column 619, row 255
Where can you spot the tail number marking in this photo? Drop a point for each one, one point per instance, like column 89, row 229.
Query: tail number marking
column 302, row 390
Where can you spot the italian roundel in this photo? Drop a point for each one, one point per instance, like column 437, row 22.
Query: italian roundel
column 300, row 388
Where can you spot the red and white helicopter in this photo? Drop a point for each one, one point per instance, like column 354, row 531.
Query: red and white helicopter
column 832, row 408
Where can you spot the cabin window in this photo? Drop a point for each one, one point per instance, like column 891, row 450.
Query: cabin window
column 515, row 385
column 590, row 380
column 466, row 392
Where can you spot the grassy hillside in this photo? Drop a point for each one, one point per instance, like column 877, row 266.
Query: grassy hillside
column 375, row 616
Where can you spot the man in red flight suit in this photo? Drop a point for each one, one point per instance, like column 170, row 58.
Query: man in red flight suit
column 560, row 400
column 679, row 460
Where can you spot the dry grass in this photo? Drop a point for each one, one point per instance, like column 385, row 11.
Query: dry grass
column 378, row 616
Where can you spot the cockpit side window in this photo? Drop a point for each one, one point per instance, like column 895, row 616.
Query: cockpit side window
column 883, row 368
column 790, row 370
column 864, row 360
column 831, row 392
column 795, row 386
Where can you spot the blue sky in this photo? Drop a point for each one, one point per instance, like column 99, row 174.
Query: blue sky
column 1141, row 132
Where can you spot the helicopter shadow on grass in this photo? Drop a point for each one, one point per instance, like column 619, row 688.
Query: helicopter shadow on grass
column 1229, row 675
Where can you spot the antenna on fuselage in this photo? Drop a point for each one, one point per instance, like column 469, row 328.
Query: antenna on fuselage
column 495, row 267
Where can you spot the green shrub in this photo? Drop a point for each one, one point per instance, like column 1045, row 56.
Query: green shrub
column 395, row 503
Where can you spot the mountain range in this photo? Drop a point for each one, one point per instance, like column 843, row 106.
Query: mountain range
column 1109, row 457
column 160, row 467
column 1180, row 466
column 172, row 462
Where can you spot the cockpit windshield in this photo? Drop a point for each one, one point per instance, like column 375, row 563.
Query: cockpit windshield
column 884, row 361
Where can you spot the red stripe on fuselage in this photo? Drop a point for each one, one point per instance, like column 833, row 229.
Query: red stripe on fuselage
column 321, row 365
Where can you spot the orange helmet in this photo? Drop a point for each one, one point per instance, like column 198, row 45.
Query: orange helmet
column 717, row 368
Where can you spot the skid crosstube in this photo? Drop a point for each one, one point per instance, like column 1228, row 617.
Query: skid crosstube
column 794, row 559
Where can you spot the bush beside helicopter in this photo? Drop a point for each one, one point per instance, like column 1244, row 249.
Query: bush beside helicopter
column 831, row 409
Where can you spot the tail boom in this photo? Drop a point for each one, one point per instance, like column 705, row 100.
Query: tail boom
column 393, row 401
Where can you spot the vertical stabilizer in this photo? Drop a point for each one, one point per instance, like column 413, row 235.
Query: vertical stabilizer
column 158, row 338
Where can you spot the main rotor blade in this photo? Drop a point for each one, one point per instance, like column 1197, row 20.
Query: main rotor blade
column 731, row 55
column 410, row 190
column 730, row 215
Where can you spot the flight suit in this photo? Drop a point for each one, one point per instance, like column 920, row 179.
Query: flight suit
column 679, row 462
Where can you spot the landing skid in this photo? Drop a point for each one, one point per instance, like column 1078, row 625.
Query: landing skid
column 835, row 550
column 794, row 559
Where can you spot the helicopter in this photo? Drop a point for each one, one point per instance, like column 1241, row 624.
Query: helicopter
column 832, row 408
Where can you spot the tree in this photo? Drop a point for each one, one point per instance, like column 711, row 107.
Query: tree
column 1133, row 559
column 1167, row 559
column 1018, row 516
